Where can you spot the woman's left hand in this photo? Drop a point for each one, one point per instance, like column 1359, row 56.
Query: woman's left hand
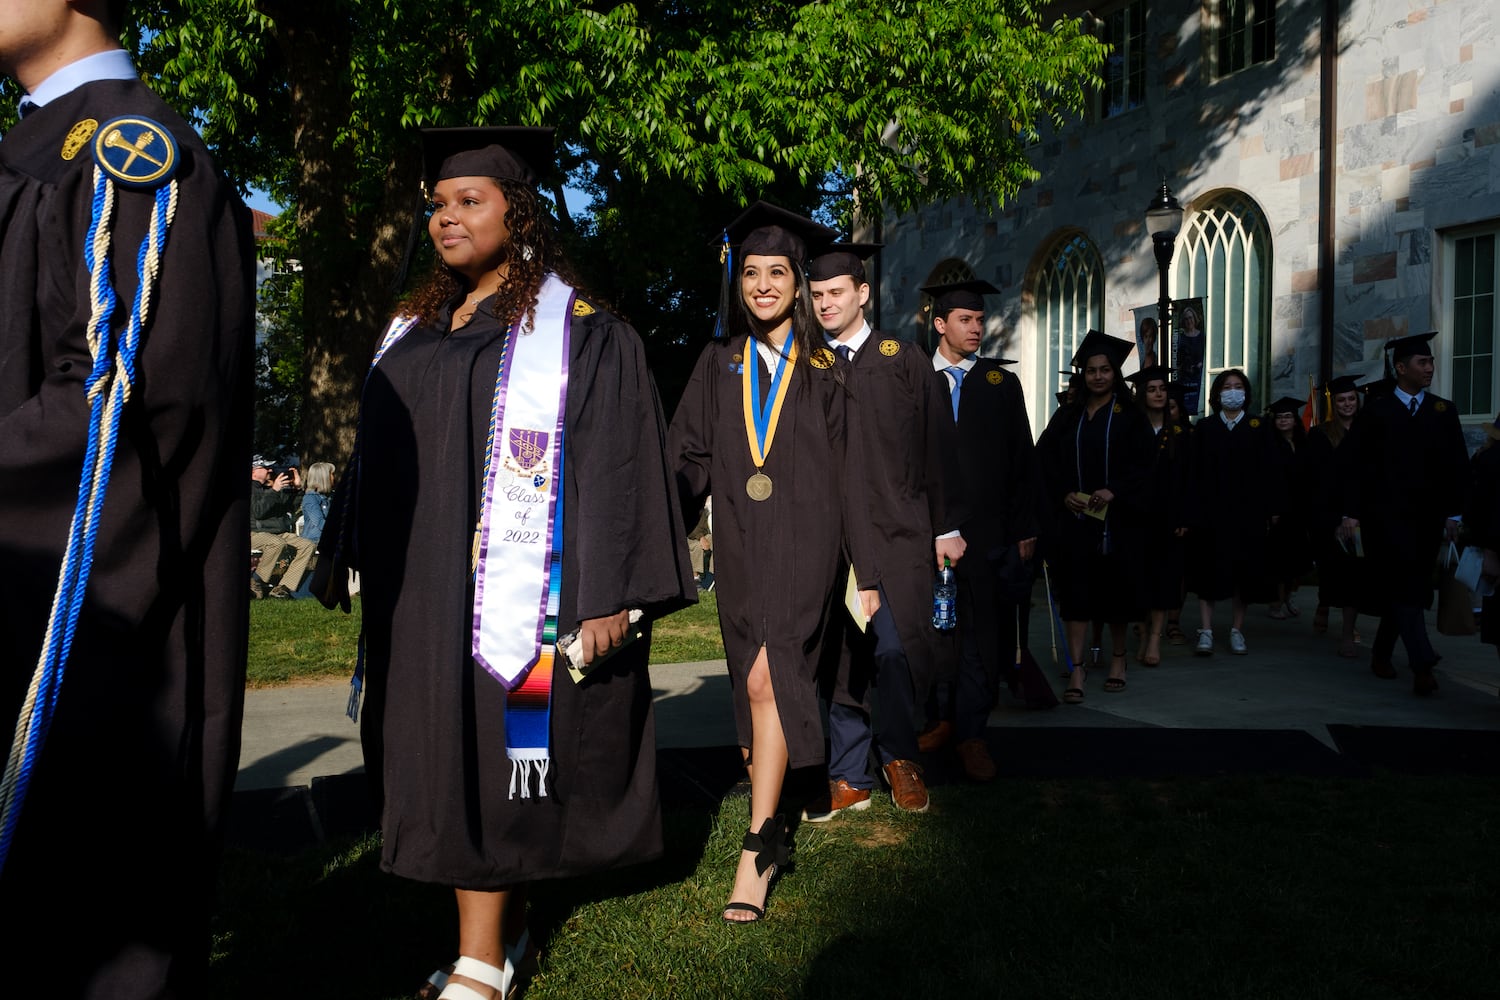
column 1100, row 498
column 600, row 635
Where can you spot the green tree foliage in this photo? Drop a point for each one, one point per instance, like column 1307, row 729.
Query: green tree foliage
column 675, row 114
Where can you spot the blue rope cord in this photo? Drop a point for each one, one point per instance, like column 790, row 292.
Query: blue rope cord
column 108, row 390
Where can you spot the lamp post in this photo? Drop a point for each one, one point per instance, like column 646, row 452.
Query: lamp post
column 1163, row 220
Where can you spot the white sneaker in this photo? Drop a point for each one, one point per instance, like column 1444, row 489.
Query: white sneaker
column 1237, row 642
column 1205, row 645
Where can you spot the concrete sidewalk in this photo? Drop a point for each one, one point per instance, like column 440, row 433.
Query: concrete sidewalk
column 1290, row 681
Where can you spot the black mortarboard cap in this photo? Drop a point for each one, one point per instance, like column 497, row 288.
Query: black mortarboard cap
column 959, row 295
column 1344, row 383
column 840, row 259
column 1405, row 347
column 769, row 231
column 508, row 153
column 1287, row 404
column 1094, row 342
column 1151, row 374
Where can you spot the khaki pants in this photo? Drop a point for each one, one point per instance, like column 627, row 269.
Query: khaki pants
column 270, row 545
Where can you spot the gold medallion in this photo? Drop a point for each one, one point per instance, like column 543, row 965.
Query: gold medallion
column 582, row 308
column 994, row 378
column 758, row 486
column 1254, row 421
column 1440, row 406
column 78, row 137
column 821, row 358
column 737, row 358
column 889, row 348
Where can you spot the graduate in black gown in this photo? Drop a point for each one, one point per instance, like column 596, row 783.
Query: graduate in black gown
column 1095, row 456
column 1000, row 490
column 1338, row 566
column 761, row 426
column 449, row 489
column 108, row 881
column 1236, row 495
column 1482, row 526
column 1287, row 554
column 1165, row 508
column 1409, row 483
column 899, row 473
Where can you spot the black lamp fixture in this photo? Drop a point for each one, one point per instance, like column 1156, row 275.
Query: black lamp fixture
column 1163, row 221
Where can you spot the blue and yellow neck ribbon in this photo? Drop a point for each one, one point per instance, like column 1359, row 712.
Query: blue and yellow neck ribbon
column 761, row 418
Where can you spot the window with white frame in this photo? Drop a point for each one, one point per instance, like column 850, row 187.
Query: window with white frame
column 1069, row 300
column 1241, row 33
column 1223, row 256
column 1124, row 70
column 1471, row 274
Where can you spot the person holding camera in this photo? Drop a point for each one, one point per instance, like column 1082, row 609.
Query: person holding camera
column 275, row 499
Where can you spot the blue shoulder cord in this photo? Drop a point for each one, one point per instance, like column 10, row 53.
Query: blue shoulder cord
column 108, row 390
column 1078, row 458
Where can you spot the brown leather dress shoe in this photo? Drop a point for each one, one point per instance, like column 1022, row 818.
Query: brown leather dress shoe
column 907, row 789
column 935, row 736
column 1423, row 683
column 975, row 756
column 1382, row 669
column 841, row 796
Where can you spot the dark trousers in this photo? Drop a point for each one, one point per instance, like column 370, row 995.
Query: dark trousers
column 1408, row 623
column 849, row 731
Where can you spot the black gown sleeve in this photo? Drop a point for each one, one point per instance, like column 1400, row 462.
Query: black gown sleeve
column 690, row 439
column 630, row 540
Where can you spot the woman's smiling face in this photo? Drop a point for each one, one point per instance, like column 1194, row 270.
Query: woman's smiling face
column 769, row 287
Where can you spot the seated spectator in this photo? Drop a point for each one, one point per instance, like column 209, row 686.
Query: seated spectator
column 319, row 487
column 273, row 499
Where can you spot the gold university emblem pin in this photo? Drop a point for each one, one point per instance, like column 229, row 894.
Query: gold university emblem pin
column 889, row 348
column 994, row 378
column 582, row 308
column 78, row 136
column 821, row 358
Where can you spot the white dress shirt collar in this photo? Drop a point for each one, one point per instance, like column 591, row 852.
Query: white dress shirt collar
column 113, row 64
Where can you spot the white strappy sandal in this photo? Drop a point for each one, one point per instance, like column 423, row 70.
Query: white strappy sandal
column 521, row 957
column 499, row 980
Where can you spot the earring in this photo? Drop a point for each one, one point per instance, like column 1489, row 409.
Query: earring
column 527, row 253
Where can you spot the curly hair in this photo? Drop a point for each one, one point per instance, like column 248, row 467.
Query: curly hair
column 531, row 228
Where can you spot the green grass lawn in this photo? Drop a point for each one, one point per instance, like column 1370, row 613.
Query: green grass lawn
column 1229, row 887
column 293, row 641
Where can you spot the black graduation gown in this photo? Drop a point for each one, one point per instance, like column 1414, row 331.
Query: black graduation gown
column 434, row 722
column 1338, row 570
column 1287, row 544
column 1000, row 487
column 142, row 754
column 779, row 559
column 1482, row 528
column 1164, row 553
column 1409, row 474
column 1097, row 564
column 1235, row 492
column 902, row 480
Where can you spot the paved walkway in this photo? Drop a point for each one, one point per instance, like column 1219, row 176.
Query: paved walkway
column 1291, row 680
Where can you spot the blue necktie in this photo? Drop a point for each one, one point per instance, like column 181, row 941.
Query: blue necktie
column 26, row 107
column 1414, row 406
column 843, row 351
column 958, row 380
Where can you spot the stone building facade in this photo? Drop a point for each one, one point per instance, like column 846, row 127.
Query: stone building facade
column 1226, row 102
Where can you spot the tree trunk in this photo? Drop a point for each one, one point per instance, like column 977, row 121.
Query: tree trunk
column 350, row 253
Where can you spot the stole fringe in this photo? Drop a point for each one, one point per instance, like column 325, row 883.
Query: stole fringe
column 523, row 770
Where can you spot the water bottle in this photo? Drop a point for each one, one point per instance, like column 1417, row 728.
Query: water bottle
column 945, row 599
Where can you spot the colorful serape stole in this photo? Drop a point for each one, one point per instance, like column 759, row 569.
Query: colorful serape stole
column 528, row 708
